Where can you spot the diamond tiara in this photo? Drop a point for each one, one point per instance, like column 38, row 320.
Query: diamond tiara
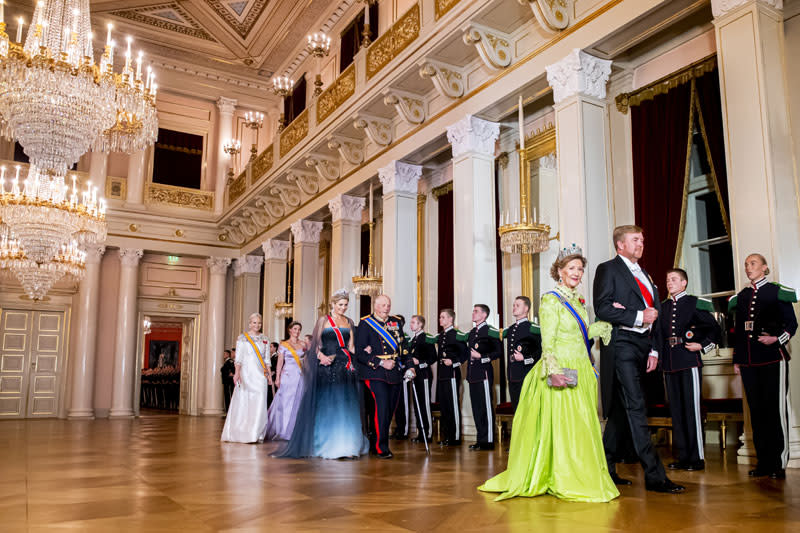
column 572, row 249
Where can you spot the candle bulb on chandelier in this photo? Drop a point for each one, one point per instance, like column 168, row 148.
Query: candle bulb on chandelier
column 108, row 35
column 2, row 11
column 149, row 77
column 139, row 66
column 20, row 24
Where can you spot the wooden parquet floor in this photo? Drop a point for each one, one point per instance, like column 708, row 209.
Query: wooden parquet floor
column 171, row 473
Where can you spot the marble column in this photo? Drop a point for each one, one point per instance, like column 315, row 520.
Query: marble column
column 760, row 158
column 346, row 212
column 475, row 257
column 123, row 377
column 213, row 401
column 306, row 265
column 247, row 287
column 98, row 171
column 399, row 247
column 137, row 162
column 475, row 260
column 82, row 382
column 582, row 147
column 226, row 108
column 275, row 255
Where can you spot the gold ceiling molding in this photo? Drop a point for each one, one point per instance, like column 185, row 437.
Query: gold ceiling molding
column 441, row 7
column 393, row 42
column 227, row 12
column 237, row 187
column 295, row 132
column 180, row 196
column 170, row 16
column 441, row 190
column 665, row 84
column 262, row 164
column 337, row 93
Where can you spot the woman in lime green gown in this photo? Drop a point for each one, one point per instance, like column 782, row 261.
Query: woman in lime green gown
column 556, row 442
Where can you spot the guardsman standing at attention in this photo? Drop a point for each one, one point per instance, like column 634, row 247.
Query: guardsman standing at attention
column 452, row 354
column 422, row 353
column 379, row 341
column 402, row 413
column 689, row 331
column 524, row 347
column 484, row 347
column 764, row 323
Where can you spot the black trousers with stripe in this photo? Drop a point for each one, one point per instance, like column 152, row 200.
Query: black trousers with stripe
column 515, row 388
column 480, row 395
column 384, row 397
column 402, row 413
column 766, row 390
column 447, row 395
column 422, row 387
column 684, row 392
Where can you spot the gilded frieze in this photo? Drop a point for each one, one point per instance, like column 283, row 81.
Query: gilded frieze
column 339, row 91
column 393, row 42
column 180, row 197
column 294, row 133
column 262, row 164
column 441, row 7
column 237, row 187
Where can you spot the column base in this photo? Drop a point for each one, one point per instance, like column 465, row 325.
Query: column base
column 211, row 412
column 80, row 414
column 121, row 413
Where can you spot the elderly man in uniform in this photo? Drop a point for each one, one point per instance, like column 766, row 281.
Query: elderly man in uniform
column 379, row 346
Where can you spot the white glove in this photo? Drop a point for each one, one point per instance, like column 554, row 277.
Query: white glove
column 409, row 375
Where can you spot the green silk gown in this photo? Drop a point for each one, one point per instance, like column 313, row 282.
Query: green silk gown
column 556, row 442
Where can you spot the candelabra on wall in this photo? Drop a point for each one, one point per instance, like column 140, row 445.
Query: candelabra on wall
column 254, row 121
column 319, row 46
column 365, row 35
column 232, row 147
column 282, row 86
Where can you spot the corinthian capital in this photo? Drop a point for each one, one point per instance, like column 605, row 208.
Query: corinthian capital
column 226, row 105
column 579, row 74
column 275, row 249
column 129, row 257
column 218, row 265
column 248, row 264
column 472, row 134
column 344, row 207
column 720, row 8
column 306, row 231
column 400, row 177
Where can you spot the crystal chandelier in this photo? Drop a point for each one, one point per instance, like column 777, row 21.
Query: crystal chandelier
column 38, row 278
column 369, row 282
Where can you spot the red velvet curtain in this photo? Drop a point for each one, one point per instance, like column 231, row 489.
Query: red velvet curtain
column 660, row 131
column 444, row 283
column 710, row 111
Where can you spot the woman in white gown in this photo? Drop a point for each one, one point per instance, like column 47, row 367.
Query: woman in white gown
column 247, row 415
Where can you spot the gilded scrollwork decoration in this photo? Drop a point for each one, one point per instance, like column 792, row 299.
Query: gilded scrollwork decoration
column 337, row 93
column 447, row 79
column 493, row 46
column 294, row 133
column 180, row 197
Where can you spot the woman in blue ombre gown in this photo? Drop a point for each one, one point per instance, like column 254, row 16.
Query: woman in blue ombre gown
column 329, row 418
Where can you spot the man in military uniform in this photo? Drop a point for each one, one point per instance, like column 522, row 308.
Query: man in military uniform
column 402, row 413
column 422, row 354
column 764, row 323
column 689, row 331
column 226, row 372
column 379, row 339
column 484, row 347
column 452, row 353
column 524, row 347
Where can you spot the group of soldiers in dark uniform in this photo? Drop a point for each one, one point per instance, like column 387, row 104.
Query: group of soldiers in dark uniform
column 392, row 362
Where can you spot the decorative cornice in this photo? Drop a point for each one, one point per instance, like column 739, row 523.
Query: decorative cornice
column 142, row 16
column 720, row 8
column 579, row 74
column 306, row 231
column 129, row 257
column 472, row 134
column 247, row 264
column 275, row 249
column 226, row 105
column 348, row 208
column 218, row 265
column 400, row 177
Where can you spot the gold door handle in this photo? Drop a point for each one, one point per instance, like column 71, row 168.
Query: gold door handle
column 33, row 364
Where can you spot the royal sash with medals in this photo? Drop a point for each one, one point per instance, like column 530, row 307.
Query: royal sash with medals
column 582, row 325
column 381, row 330
column 340, row 339
column 258, row 353
column 291, row 350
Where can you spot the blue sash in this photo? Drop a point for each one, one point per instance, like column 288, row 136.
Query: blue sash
column 584, row 329
column 382, row 332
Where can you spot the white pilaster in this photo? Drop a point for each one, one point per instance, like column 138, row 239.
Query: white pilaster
column 215, row 341
column 123, row 378
column 82, row 383
column 247, row 283
column 579, row 89
column 135, row 180
column 275, row 255
column 475, row 260
column 225, row 108
column 98, row 171
column 762, row 176
column 346, row 214
column 399, row 243
column 306, row 264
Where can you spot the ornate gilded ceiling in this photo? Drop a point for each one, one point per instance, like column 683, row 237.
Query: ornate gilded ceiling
column 169, row 17
column 240, row 15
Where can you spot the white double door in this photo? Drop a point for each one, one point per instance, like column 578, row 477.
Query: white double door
column 31, row 361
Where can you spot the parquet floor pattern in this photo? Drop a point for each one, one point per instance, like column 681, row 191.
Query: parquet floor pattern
column 171, row 473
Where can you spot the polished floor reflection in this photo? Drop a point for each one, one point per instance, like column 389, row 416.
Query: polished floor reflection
column 171, row 473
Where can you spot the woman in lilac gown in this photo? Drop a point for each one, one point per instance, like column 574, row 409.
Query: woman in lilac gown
column 289, row 380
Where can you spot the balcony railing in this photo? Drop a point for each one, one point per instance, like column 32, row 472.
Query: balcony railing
column 339, row 91
column 393, row 42
column 180, row 197
column 295, row 132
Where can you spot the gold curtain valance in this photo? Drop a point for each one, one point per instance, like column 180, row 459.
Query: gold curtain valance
column 665, row 84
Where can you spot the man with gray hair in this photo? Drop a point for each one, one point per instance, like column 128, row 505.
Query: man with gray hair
column 379, row 341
